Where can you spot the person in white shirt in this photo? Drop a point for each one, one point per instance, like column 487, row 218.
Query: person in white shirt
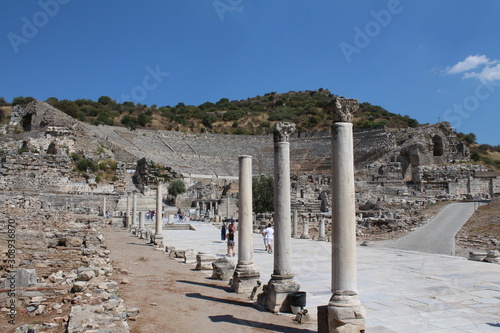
column 268, row 234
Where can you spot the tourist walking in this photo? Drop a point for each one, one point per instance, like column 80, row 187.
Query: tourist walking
column 268, row 234
column 223, row 232
column 231, row 229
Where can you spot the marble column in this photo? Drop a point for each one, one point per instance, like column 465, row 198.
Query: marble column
column 142, row 230
column 274, row 296
column 104, row 207
column 159, row 216
column 294, row 224
column 322, row 235
column 345, row 312
column 245, row 276
column 133, row 225
column 305, row 228
column 127, row 221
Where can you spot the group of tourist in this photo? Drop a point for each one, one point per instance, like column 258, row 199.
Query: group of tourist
column 228, row 233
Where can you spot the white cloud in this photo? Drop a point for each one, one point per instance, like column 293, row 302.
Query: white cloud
column 489, row 73
column 469, row 63
column 477, row 66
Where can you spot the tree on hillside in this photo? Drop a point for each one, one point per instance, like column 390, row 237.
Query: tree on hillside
column 263, row 194
column 68, row 107
column 21, row 100
column 3, row 102
column 176, row 187
column 469, row 138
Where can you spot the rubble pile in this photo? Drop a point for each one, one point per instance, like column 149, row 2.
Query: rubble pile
column 60, row 279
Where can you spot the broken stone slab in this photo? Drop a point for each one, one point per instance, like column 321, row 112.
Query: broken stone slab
column 56, row 277
column 22, row 278
column 222, row 269
column 477, row 255
column 87, row 316
column 204, row 261
column 132, row 313
column 86, row 275
column 79, row 286
column 189, row 256
column 493, row 256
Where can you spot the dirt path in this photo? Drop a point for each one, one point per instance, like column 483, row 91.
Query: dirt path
column 173, row 297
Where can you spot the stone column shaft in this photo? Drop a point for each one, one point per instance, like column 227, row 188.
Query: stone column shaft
column 282, row 218
column 344, row 269
column 104, row 207
column 159, row 216
column 127, row 221
column 134, row 209
column 305, row 228
column 246, row 276
column 345, row 312
column 294, row 224
column 142, row 219
column 275, row 294
column 322, row 236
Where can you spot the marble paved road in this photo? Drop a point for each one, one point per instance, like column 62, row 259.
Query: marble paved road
column 438, row 235
column 403, row 291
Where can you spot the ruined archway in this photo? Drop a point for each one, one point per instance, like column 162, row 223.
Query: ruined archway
column 438, row 145
column 52, row 149
column 26, row 122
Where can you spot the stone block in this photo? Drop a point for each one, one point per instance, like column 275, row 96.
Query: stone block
column 204, row 261
column 21, row 277
column 79, row 286
column 222, row 269
column 189, row 256
column 86, row 275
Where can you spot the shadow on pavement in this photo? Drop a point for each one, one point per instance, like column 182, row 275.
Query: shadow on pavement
column 226, row 289
column 256, row 324
column 221, row 300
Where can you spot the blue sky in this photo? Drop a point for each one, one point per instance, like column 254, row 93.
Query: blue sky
column 431, row 60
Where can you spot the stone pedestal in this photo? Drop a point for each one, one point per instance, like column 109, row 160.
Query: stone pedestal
column 170, row 219
column 322, row 234
column 189, row 256
column 345, row 312
column 204, row 261
column 222, row 269
column 305, row 228
column 245, row 276
column 275, row 293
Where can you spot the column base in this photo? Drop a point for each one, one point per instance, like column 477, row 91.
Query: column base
column 275, row 293
column 141, row 232
column 244, row 279
column 345, row 313
column 322, row 238
column 158, row 240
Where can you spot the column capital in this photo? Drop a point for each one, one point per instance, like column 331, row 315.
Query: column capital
column 342, row 109
column 282, row 131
